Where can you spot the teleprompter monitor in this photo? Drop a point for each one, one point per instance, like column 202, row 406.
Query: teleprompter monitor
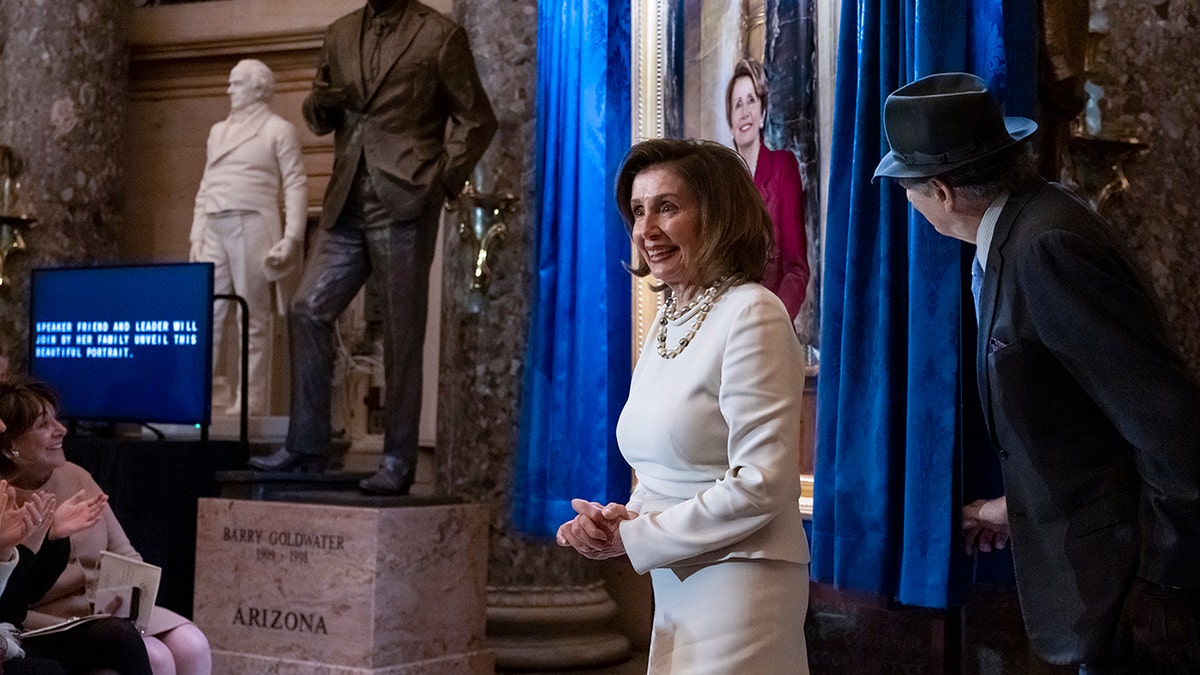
column 125, row 343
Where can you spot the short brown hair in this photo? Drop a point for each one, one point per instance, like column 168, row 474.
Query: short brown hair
column 21, row 404
column 758, row 77
column 736, row 234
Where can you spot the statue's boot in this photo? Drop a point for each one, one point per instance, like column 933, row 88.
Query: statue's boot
column 286, row 460
column 394, row 477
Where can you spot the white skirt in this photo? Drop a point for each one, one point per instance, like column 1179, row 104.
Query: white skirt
column 730, row 618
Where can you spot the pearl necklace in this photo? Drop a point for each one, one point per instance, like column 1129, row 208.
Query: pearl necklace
column 670, row 313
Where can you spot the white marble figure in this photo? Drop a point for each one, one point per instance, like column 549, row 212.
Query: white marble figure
column 254, row 156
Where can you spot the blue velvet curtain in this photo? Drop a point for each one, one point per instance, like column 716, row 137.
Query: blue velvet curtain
column 890, row 396
column 578, row 362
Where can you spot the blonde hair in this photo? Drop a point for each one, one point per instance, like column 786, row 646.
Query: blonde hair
column 752, row 69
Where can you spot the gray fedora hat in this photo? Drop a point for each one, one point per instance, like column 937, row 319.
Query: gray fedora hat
column 943, row 122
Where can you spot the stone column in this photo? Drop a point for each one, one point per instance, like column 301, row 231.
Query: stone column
column 62, row 104
column 1146, row 61
column 547, row 608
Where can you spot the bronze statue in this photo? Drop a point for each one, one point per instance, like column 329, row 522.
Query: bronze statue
column 397, row 85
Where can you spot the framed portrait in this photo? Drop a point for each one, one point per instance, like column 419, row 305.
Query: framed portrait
column 686, row 56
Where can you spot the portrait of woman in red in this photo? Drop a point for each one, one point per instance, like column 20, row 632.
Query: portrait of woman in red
column 777, row 176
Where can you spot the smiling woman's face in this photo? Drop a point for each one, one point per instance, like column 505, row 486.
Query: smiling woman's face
column 39, row 451
column 746, row 113
column 666, row 227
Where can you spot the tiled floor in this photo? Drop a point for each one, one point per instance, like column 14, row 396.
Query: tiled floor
column 636, row 665
column 902, row 639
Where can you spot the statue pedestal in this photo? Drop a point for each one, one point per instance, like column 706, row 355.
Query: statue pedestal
column 269, row 485
column 378, row 586
column 553, row 628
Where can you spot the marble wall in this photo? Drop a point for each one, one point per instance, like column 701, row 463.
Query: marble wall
column 62, row 101
column 1149, row 67
column 484, row 337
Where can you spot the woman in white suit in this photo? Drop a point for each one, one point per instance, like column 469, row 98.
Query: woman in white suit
column 253, row 157
column 711, row 426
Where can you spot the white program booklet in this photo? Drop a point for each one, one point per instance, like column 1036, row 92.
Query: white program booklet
column 126, row 587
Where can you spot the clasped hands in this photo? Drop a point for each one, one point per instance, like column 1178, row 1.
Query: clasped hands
column 595, row 533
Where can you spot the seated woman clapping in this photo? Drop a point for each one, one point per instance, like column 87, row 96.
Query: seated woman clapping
column 31, row 459
column 34, row 547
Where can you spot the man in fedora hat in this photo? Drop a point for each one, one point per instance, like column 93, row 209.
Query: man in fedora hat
column 1092, row 413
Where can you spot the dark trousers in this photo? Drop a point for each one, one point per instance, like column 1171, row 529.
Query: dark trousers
column 107, row 644
column 1159, row 633
column 364, row 241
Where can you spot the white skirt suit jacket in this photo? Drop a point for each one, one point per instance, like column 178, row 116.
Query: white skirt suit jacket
column 714, row 437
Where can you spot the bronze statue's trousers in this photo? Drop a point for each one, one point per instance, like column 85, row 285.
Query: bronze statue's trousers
column 365, row 243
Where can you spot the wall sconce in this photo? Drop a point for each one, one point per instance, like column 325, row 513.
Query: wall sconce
column 481, row 226
column 12, row 219
column 1099, row 165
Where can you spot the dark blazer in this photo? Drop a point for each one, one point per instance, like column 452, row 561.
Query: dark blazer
column 421, row 126
column 1095, row 417
column 34, row 575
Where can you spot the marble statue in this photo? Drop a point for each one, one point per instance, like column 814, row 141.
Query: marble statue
column 254, row 157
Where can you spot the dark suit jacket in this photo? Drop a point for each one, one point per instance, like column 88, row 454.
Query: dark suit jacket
column 1096, row 420
column 34, row 575
column 421, row 127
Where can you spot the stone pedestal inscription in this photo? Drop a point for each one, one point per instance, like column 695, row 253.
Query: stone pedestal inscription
column 307, row 589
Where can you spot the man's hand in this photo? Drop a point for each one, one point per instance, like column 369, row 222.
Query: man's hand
column 985, row 525
column 281, row 253
column 595, row 533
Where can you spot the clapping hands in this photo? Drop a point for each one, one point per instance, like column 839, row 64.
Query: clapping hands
column 595, row 533
column 18, row 522
column 77, row 514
